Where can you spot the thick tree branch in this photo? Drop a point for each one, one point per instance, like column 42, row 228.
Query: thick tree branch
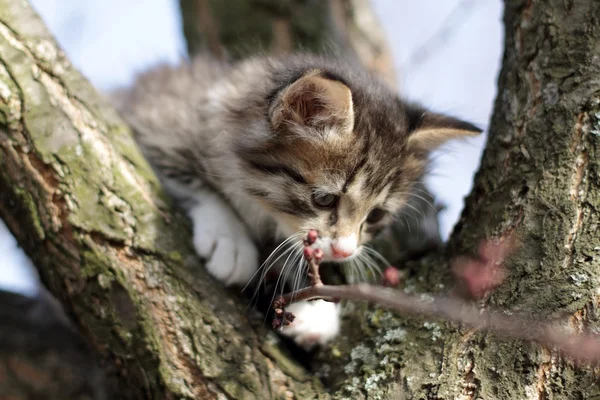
column 83, row 203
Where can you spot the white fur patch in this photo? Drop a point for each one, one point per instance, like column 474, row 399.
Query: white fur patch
column 346, row 243
column 222, row 239
column 317, row 322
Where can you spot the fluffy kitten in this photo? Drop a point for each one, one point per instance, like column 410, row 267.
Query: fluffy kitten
column 272, row 147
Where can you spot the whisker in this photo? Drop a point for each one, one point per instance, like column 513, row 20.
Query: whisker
column 273, row 253
column 300, row 270
column 420, row 212
column 286, row 270
column 262, row 279
column 265, row 271
column 352, row 268
column 360, row 266
column 360, row 269
column 378, row 255
column 283, row 270
column 369, row 263
column 426, row 201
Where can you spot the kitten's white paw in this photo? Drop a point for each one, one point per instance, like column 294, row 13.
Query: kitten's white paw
column 222, row 239
column 316, row 323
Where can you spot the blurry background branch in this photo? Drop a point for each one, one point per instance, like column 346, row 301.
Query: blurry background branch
column 233, row 29
column 42, row 355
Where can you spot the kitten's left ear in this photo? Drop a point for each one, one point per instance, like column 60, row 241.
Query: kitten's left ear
column 314, row 101
column 428, row 130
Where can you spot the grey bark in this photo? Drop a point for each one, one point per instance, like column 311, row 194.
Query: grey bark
column 86, row 208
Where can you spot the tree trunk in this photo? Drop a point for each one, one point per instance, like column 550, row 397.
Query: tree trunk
column 540, row 178
column 89, row 212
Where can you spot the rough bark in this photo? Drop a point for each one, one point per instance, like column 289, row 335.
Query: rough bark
column 540, row 178
column 87, row 209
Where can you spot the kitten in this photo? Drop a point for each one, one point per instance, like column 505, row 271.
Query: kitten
column 270, row 148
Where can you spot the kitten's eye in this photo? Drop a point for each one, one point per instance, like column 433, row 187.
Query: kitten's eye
column 324, row 200
column 376, row 215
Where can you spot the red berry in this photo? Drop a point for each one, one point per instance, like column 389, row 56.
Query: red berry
column 276, row 324
column 312, row 236
column 279, row 312
column 308, row 252
column 279, row 303
column 318, row 254
column 290, row 317
column 391, row 276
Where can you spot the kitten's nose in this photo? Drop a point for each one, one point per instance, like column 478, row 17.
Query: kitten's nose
column 341, row 253
column 343, row 247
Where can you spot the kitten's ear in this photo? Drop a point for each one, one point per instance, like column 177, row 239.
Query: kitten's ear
column 314, row 101
column 428, row 131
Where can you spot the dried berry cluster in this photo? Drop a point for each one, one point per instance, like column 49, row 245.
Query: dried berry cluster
column 314, row 258
column 282, row 317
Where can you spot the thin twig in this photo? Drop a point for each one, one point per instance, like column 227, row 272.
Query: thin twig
column 578, row 346
column 481, row 275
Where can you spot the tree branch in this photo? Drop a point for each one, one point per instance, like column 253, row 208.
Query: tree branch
column 86, row 207
column 481, row 275
column 504, row 324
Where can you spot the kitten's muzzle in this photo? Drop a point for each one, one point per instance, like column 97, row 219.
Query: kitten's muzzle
column 339, row 249
column 344, row 247
column 341, row 253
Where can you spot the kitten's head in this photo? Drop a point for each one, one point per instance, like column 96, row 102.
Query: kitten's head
column 340, row 156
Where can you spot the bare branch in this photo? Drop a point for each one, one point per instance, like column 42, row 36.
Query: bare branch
column 581, row 347
column 481, row 275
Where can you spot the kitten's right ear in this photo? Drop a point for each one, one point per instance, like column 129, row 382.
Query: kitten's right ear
column 429, row 130
column 314, row 101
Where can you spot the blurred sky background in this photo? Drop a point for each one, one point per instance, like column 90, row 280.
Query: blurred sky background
column 447, row 55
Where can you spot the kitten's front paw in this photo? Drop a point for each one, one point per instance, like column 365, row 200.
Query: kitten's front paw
column 316, row 323
column 222, row 240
